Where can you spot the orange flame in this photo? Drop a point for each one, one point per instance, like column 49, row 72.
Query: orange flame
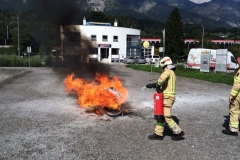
column 97, row 93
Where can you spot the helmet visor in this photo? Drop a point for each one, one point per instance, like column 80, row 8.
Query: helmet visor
column 162, row 64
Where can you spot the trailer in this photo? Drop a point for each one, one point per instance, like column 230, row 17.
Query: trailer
column 194, row 59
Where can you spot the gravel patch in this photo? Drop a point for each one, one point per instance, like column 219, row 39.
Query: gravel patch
column 39, row 120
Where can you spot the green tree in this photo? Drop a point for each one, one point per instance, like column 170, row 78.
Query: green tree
column 208, row 44
column 174, row 35
column 98, row 16
column 235, row 49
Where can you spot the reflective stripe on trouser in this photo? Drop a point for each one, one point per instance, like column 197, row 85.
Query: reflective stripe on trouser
column 167, row 102
column 171, row 124
column 234, row 110
column 159, row 128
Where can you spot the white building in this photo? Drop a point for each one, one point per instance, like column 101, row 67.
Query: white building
column 110, row 43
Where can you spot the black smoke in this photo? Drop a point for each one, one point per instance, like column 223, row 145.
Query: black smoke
column 68, row 12
column 59, row 12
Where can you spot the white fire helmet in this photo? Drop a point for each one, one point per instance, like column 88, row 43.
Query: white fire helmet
column 165, row 61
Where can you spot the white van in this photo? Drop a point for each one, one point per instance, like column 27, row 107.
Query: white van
column 194, row 57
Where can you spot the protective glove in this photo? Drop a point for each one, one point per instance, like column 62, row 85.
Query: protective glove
column 151, row 85
column 158, row 88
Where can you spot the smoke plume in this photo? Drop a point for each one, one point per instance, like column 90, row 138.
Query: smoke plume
column 68, row 12
column 59, row 12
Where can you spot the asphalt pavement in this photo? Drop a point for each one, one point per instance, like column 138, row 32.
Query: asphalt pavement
column 40, row 120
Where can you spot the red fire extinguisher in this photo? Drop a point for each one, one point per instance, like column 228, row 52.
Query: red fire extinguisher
column 158, row 105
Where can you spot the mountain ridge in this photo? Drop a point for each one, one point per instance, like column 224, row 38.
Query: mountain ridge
column 214, row 13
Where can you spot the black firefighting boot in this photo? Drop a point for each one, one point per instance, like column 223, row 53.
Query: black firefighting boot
column 228, row 132
column 155, row 137
column 177, row 137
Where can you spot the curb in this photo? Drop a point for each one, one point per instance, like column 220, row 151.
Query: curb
column 14, row 76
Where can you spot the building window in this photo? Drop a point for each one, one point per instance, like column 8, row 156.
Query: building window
column 115, row 38
column 104, row 38
column 93, row 38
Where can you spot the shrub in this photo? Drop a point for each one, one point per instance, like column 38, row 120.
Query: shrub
column 48, row 61
column 15, row 61
column 8, row 51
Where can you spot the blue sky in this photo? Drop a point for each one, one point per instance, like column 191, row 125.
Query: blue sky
column 201, row 1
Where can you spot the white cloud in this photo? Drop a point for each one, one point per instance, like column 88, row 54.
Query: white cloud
column 200, row 1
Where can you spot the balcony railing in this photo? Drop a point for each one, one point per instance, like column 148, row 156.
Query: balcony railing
column 133, row 44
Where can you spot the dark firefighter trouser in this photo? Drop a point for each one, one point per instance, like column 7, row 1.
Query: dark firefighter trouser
column 167, row 103
column 234, row 110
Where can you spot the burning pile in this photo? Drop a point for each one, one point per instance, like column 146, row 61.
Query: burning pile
column 101, row 92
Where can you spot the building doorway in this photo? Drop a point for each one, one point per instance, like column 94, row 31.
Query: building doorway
column 104, row 53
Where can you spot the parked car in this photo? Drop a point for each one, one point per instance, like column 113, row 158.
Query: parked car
column 148, row 58
column 130, row 60
column 155, row 58
column 141, row 60
column 124, row 60
column 185, row 64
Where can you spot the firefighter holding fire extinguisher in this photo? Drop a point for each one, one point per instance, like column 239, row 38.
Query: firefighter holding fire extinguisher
column 166, row 86
column 234, row 105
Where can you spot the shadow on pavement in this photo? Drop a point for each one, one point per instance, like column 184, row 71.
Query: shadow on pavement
column 226, row 122
column 167, row 130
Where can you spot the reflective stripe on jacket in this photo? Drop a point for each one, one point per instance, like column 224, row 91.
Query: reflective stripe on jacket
column 168, row 82
column 236, row 85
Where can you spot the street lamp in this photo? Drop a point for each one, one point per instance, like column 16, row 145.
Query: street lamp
column 18, row 37
column 164, row 42
column 202, row 35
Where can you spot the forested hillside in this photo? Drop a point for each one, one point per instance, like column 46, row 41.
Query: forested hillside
column 40, row 28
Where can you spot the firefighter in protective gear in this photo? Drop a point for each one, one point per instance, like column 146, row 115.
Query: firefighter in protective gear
column 234, row 105
column 166, row 84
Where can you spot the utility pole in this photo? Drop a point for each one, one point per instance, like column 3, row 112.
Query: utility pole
column 18, row 38
column 7, row 37
column 164, row 42
column 7, row 32
column 29, row 50
column 202, row 35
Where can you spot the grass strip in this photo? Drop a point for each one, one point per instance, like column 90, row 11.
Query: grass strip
column 215, row 77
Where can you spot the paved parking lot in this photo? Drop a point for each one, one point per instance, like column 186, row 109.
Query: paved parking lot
column 39, row 120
